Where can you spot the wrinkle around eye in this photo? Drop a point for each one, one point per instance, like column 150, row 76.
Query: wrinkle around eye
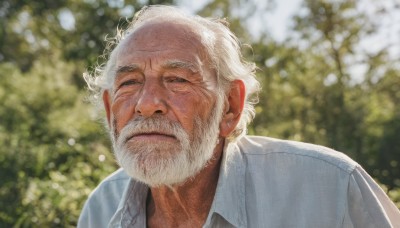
column 177, row 84
column 127, row 87
column 176, row 80
column 130, row 82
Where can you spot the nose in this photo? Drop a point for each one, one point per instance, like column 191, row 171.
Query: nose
column 151, row 101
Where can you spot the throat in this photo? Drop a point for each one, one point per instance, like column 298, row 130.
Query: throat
column 176, row 211
column 186, row 205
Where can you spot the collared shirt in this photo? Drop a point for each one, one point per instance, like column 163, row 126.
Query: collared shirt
column 263, row 182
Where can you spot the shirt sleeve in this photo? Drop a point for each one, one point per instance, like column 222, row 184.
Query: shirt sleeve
column 368, row 205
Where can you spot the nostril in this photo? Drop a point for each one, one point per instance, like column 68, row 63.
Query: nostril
column 150, row 104
column 158, row 111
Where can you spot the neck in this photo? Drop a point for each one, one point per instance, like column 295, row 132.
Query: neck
column 187, row 204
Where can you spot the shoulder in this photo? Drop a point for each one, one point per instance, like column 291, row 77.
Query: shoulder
column 312, row 179
column 104, row 200
column 116, row 177
column 309, row 183
column 112, row 186
column 256, row 147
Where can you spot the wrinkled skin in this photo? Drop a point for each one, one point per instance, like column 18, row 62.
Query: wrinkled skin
column 162, row 69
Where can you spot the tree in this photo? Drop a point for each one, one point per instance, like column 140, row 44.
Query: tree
column 314, row 91
column 76, row 27
column 54, row 150
column 51, row 146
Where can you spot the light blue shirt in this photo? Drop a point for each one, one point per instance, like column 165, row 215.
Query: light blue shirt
column 263, row 182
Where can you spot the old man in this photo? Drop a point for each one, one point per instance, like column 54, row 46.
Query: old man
column 178, row 96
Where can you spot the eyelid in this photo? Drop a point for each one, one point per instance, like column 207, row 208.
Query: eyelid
column 176, row 78
column 128, row 82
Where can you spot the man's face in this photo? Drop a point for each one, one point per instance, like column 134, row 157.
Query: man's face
column 163, row 109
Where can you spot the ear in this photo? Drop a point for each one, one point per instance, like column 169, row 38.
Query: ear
column 233, row 108
column 107, row 106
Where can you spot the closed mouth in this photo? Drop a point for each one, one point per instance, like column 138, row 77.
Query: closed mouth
column 150, row 134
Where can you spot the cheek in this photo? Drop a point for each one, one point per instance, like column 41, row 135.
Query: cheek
column 204, row 104
column 122, row 111
column 192, row 106
column 183, row 110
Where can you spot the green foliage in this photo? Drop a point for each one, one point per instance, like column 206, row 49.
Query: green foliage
column 51, row 146
column 54, row 150
column 31, row 28
column 310, row 93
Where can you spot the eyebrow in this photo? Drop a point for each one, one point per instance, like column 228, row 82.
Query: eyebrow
column 170, row 64
column 177, row 64
column 127, row 68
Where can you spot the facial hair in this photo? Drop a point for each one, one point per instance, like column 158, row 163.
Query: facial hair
column 167, row 163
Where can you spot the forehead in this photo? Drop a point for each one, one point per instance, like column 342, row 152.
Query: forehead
column 163, row 37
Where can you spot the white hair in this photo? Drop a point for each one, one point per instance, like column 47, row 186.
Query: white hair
column 222, row 47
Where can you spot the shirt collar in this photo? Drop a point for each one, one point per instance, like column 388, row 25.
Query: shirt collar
column 132, row 207
column 229, row 200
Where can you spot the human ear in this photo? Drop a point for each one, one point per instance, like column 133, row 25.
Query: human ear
column 234, row 107
column 107, row 105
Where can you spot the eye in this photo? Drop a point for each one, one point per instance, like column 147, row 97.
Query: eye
column 176, row 80
column 177, row 84
column 129, row 82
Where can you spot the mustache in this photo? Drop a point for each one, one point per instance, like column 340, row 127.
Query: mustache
column 153, row 125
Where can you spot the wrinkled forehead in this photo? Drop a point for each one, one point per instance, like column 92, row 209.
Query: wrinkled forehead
column 168, row 34
column 166, row 42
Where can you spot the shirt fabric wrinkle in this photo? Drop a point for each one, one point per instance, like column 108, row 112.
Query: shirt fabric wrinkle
column 264, row 182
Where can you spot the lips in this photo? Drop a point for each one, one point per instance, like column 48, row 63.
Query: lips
column 151, row 136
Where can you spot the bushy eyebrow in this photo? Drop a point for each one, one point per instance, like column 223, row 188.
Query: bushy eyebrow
column 127, row 68
column 179, row 64
column 170, row 64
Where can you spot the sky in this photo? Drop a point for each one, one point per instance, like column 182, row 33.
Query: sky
column 276, row 21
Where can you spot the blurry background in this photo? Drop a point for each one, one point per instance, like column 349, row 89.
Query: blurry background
column 330, row 72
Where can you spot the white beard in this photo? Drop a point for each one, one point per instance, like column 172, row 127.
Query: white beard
column 166, row 163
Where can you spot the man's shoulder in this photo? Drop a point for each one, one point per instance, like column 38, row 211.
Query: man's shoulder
column 114, row 182
column 103, row 201
column 118, row 175
column 259, row 146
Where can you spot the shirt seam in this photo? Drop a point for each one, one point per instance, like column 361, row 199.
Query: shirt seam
column 349, row 171
column 345, row 206
column 368, row 212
